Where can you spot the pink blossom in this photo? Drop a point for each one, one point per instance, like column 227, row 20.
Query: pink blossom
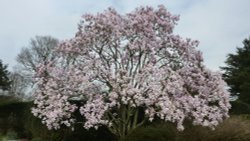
column 119, row 63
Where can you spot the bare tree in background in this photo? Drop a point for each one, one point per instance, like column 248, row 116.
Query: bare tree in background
column 39, row 50
column 19, row 85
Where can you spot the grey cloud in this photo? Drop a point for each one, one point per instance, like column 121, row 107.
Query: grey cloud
column 219, row 25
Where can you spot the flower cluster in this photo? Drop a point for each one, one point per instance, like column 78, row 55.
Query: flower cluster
column 133, row 60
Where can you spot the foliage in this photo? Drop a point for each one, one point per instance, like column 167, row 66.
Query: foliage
column 11, row 115
column 4, row 77
column 232, row 129
column 118, row 64
column 239, row 107
column 237, row 72
column 236, row 128
column 5, row 100
column 37, row 139
column 16, row 116
column 2, row 138
column 35, row 129
column 155, row 132
column 11, row 135
column 101, row 134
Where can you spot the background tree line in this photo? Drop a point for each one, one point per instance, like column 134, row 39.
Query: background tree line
column 19, row 82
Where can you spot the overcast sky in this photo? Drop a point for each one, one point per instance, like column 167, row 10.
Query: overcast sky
column 219, row 25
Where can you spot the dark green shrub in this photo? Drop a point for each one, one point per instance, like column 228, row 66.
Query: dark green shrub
column 239, row 107
column 11, row 113
column 81, row 134
column 7, row 100
column 35, row 129
column 16, row 117
column 37, row 139
column 244, row 116
column 235, row 128
column 2, row 137
column 156, row 132
column 11, row 135
column 232, row 129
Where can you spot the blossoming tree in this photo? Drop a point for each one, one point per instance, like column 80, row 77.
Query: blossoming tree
column 117, row 64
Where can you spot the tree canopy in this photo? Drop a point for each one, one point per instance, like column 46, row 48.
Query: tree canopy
column 4, row 77
column 118, row 64
column 39, row 50
column 237, row 72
